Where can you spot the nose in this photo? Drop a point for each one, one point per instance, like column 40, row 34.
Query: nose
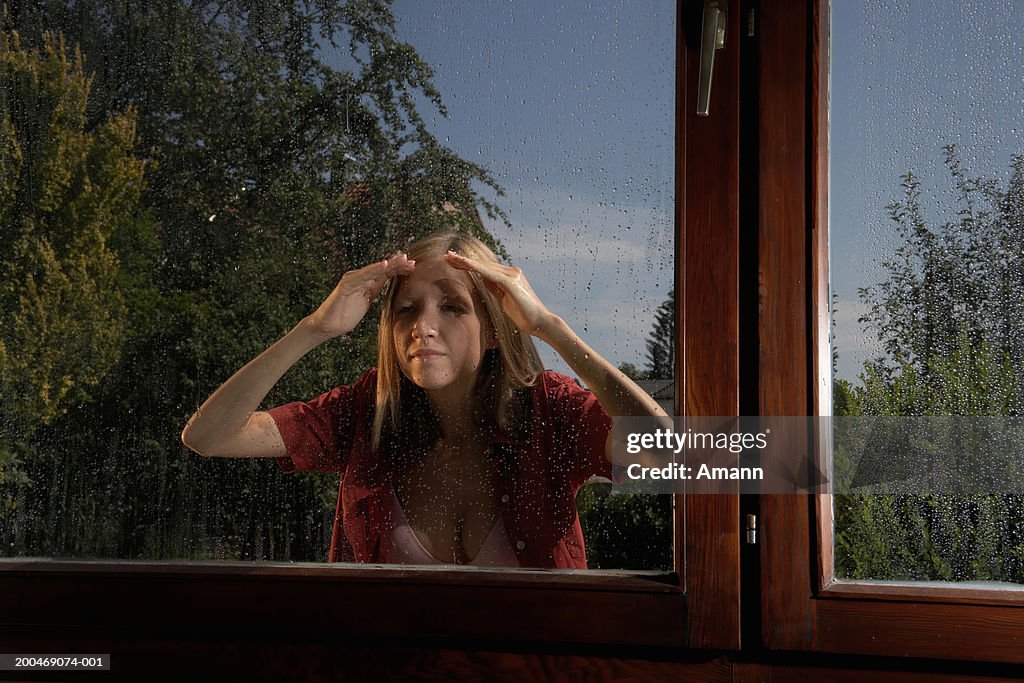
column 425, row 325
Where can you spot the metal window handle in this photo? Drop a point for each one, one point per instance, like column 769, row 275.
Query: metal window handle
column 712, row 38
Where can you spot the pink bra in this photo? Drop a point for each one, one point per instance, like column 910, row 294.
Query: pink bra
column 402, row 546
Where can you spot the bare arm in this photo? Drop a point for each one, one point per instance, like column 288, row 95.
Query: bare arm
column 228, row 424
column 617, row 393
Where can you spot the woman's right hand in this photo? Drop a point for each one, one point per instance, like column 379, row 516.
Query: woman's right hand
column 348, row 303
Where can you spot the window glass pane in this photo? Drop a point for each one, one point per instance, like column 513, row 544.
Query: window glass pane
column 182, row 183
column 926, row 227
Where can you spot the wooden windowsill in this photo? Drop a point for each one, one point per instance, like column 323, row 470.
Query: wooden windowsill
column 967, row 593
column 337, row 601
column 558, row 579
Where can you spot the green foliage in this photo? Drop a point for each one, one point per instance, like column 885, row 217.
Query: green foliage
column 631, row 371
column 926, row 537
column 625, row 531
column 948, row 314
column 954, row 282
column 66, row 195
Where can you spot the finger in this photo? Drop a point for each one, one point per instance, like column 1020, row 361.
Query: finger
column 490, row 271
column 462, row 262
column 380, row 280
column 398, row 263
column 381, row 271
column 375, row 285
column 396, row 266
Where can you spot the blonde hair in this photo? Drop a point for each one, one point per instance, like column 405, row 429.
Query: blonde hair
column 514, row 364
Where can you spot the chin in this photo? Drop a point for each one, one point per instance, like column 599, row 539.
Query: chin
column 429, row 381
column 430, row 384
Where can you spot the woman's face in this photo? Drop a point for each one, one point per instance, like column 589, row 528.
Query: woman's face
column 438, row 330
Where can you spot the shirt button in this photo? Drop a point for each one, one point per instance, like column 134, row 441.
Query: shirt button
column 520, row 545
column 504, row 498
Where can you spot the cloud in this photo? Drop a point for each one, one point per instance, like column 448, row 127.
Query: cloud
column 552, row 224
column 605, row 280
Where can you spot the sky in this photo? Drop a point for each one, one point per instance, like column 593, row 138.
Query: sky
column 906, row 80
column 570, row 106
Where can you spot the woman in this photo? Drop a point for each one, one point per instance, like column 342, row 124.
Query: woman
column 458, row 448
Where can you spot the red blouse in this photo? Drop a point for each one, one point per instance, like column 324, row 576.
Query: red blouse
column 565, row 447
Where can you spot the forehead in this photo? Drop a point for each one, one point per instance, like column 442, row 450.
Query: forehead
column 434, row 274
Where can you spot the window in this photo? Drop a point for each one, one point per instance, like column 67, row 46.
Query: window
column 649, row 609
column 925, row 302
column 581, row 202
column 804, row 605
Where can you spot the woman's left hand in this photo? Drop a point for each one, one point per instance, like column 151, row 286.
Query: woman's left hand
column 520, row 303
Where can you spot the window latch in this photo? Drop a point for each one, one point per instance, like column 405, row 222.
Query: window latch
column 751, row 529
column 712, row 38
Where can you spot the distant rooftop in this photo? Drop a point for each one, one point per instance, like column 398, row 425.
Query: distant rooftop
column 658, row 389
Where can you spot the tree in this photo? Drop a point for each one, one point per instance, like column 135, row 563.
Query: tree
column 661, row 341
column 65, row 195
column 961, row 279
column 256, row 136
column 631, row 371
column 948, row 314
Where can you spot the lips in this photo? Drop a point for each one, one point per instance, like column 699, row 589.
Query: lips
column 425, row 354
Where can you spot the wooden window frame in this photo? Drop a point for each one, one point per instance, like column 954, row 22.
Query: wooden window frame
column 803, row 606
column 695, row 605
